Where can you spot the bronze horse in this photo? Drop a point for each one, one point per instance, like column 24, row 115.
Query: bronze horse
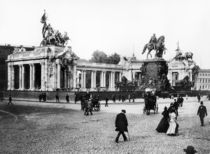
column 159, row 47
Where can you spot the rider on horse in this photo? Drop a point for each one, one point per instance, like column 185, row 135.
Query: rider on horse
column 153, row 40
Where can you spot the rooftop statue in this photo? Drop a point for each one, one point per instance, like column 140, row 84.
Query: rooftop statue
column 183, row 56
column 157, row 45
column 51, row 36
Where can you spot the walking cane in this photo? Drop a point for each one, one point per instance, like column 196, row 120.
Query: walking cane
column 128, row 136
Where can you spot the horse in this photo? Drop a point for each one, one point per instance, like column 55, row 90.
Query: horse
column 158, row 47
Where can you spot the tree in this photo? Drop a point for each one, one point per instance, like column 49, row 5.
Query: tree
column 113, row 59
column 98, row 57
column 195, row 72
column 101, row 57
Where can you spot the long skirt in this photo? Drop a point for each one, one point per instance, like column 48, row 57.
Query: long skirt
column 163, row 125
column 173, row 128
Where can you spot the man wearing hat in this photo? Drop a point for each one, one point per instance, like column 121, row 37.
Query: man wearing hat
column 202, row 112
column 190, row 150
column 121, row 125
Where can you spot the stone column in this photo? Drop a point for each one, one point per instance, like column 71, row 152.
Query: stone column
column 32, row 76
column 69, row 77
column 113, row 80
column 101, row 79
column 23, row 77
column 43, row 76
column 58, row 75
column 92, row 79
column 120, row 76
column 12, row 77
column 74, row 77
column 104, row 79
column 52, row 81
column 82, row 79
column 95, row 79
column 8, row 76
column 20, row 77
column 84, row 82
column 110, row 80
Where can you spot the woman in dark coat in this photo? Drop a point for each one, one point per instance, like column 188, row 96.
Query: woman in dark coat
column 163, row 124
column 121, row 125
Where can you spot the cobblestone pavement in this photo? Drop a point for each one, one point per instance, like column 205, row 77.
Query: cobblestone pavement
column 56, row 128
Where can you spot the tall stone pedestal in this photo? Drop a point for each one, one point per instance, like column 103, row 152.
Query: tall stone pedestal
column 154, row 75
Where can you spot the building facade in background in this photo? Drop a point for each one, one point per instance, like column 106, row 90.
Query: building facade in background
column 6, row 50
column 51, row 68
column 203, row 80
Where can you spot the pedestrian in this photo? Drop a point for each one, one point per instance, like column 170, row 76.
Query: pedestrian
column 114, row 98
column 202, row 112
column 57, row 98
column 44, row 97
column 129, row 98
column 133, row 97
column 10, row 100
column 180, row 101
column 121, row 125
column 40, row 97
column 163, row 124
column 106, row 103
column 120, row 97
column 67, row 98
column 173, row 125
column 199, row 97
column 88, row 108
column 190, row 150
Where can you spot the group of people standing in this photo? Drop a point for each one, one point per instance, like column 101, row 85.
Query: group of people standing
column 168, row 124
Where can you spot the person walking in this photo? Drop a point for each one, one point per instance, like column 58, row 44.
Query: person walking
column 107, row 99
column 114, row 98
column 121, row 125
column 163, row 124
column 173, row 125
column 199, row 97
column 57, row 98
column 67, row 98
column 10, row 100
column 202, row 112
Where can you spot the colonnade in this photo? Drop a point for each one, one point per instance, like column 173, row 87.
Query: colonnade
column 20, row 79
column 113, row 76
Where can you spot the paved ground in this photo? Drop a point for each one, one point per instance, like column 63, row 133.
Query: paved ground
column 31, row 127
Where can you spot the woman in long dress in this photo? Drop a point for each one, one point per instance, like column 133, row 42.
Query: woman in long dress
column 173, row 125
column 163, row 124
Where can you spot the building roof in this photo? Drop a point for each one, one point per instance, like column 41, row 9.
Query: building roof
column 204, row 70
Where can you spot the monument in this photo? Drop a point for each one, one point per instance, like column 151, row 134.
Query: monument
column 49, row 67
column 154, row 71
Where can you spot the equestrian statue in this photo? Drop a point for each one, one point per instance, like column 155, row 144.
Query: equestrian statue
column 51, row 36
column 156, row 45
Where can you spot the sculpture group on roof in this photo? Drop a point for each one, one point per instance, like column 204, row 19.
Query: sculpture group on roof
column 52, row 36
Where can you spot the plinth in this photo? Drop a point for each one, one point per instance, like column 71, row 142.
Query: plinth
column 154, row 75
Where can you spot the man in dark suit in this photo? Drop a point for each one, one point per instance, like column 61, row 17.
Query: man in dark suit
column 202, row 112
column 121, row 125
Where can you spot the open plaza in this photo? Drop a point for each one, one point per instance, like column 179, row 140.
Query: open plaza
column 104, row 77
column 34, row 127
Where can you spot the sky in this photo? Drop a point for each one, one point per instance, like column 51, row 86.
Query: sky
column 121, row 26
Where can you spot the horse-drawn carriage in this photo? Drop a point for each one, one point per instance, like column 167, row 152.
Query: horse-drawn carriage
column 150, row 102
column 89, row 104
column 95, row 104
